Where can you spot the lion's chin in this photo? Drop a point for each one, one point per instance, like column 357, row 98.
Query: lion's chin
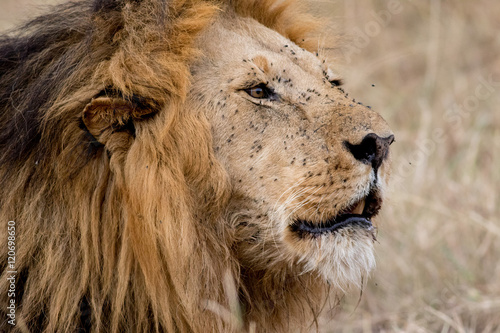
column 340, row 249
column 342, row 258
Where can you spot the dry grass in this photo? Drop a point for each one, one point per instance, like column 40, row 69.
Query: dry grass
column 438, row 257
column 439, row 252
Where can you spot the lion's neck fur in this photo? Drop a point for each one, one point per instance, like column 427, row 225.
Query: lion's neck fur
column 131, row 237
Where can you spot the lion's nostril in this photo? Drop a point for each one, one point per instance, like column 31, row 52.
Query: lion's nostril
column 372, row 150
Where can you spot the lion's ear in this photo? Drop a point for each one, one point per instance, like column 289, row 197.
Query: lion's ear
column 104, row 116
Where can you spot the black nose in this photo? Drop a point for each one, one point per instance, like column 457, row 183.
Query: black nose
column 372, row 150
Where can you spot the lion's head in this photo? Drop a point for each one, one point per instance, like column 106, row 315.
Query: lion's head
column 182, row 166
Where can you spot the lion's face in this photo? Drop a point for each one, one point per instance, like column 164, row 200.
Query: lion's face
column 307, row 163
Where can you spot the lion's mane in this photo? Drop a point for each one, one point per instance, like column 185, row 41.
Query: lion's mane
column 126, row 236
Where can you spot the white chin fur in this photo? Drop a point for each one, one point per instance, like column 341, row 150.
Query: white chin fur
column 343, row 258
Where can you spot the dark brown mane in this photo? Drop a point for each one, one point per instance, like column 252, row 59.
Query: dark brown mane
column 37, row 63
column 50, row 69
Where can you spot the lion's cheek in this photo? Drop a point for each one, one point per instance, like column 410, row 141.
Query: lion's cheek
column 342, row 258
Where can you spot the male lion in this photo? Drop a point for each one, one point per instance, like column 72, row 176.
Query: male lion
column 180, row 166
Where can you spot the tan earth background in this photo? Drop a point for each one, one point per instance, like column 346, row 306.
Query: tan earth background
column 432, row 69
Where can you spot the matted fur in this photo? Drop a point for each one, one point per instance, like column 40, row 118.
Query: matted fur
column 129, row 217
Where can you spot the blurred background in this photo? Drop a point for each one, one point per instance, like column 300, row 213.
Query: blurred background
column 435, row 67
column 432, row 69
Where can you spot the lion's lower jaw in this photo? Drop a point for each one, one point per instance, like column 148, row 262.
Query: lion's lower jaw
column 288, row 286
column 342, row 260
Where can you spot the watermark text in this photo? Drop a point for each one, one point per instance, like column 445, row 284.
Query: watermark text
column 11, row 272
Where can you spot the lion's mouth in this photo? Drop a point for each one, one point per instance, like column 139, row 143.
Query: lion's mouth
column 358, row 214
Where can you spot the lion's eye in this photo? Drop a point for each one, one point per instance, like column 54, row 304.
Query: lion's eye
column 261, row 91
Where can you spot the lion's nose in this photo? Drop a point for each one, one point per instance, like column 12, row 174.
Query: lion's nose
column 372, row 150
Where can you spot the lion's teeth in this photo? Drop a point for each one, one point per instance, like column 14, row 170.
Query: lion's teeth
column 359, row 207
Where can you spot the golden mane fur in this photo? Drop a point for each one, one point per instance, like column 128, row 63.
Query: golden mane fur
column 118, row 197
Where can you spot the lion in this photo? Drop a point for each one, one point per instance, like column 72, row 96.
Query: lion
column 181, row 166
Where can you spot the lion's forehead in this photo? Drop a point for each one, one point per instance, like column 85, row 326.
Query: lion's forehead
column 258, row 45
